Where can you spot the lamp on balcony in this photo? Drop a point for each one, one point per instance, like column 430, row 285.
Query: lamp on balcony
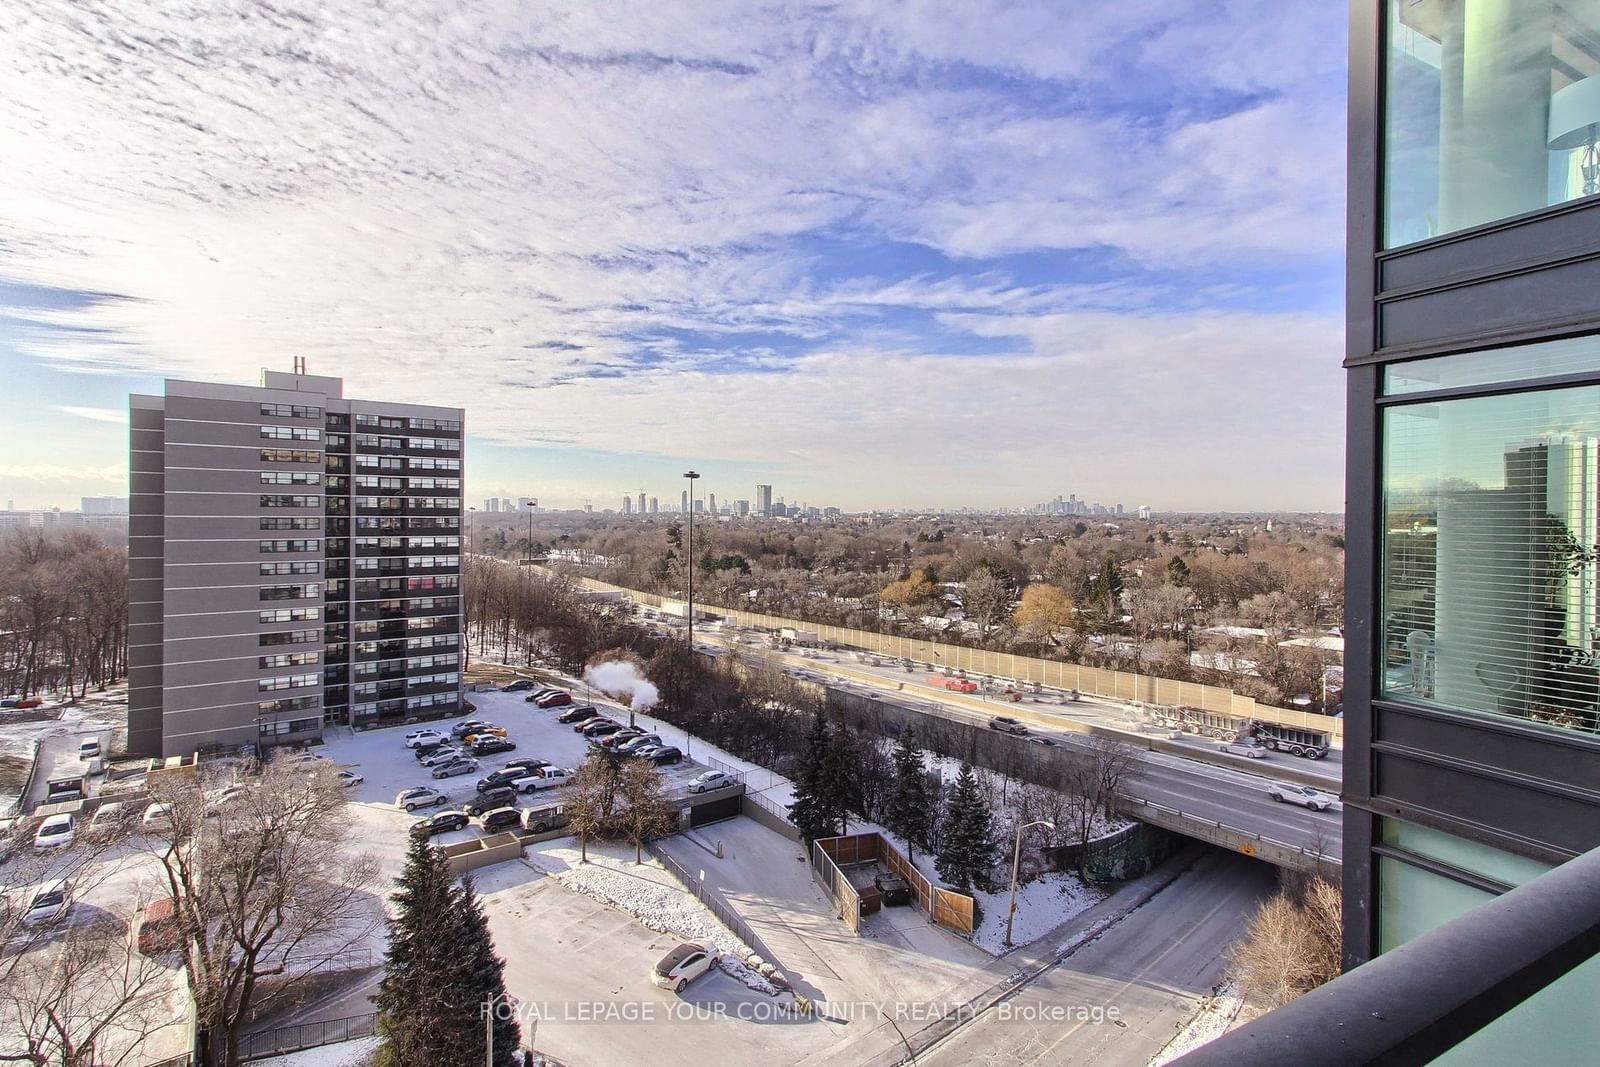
column 1575, row 123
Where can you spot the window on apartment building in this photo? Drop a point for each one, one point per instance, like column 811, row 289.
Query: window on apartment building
column 1491, row 540
column 288, row 659
column 290, row 592
column 304, row 567
column 281, row 727
column 289, row 411
column 287, row 681
column 291, row 433
column 290, row 637
column 277, row 500
column 1492, row 110
column 290, row 478
column 289, row 455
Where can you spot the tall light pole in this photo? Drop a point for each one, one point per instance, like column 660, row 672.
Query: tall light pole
column 691, row 475
column 1016, row 866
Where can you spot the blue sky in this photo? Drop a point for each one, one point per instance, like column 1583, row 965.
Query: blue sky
column 873, row 253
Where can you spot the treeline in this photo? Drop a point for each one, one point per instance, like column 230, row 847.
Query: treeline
column 63, row 612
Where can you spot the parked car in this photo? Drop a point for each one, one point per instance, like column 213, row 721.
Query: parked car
column 422, row 796
column 620, row 737
column 578, row 714
column 59, row 790
column 1304, row 795
column 157, row 818
column 457, row 766
column 441, row 757
column 89, row 748
column 467, row 726
column 504, row 776
column 488, row 745
column 895, row 889
column 438, row 823
column 519, row 686
column 636, row 742
column 486, row 731
column 418, row 738
column 662, row 755
column 598, row 727
column 1006, row 724
column 537, row 694
column 681, row 966
column 57, row 831
column 432, row 748
column 1247, row 749
column 349, row 779
column 706, row 781
column 560, row 698
column 1047, row 742
column 110, row 820
column 489, row 799
column 546, row 778
column 500, row 820
column 542, row 820
column 522, row 766
column 49, row 904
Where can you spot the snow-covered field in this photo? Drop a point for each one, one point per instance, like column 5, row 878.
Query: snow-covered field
column 357, row 1053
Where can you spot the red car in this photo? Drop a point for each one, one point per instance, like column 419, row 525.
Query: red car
column 554, row 700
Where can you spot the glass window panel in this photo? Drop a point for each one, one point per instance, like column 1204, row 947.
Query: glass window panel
column 1573, row 355
column 1493, row 110
column 1558, row 1024
column 1482, row 860
column 1412, row 901
column 1491, row 515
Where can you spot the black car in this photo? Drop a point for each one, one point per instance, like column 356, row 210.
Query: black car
column 578, row 714
column 439, row 822
column 893, row 887
column 504, row 776
column 522, row 766
column 488, row 746
column 1047, row 742
column 519, row 686
column 661, row 757
column 499, row 819
column 466, row 727
column 422, row 752
column 1007, row 725
column 500, row 796
column 598, row 727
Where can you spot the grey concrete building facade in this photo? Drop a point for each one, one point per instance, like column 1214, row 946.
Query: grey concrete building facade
column 294, row 560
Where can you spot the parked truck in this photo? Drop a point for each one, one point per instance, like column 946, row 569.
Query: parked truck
column 1297, row 741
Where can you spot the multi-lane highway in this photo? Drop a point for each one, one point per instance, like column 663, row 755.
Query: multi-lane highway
column 1188, row 785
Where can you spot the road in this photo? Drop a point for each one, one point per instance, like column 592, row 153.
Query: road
column 1153, row 968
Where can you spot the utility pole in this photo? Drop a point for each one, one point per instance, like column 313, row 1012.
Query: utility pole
column 691, row 475
column 1016, row 867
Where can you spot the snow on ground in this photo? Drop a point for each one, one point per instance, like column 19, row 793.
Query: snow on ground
column 1042, row 905
column 1216, row 1017
column 357, row 1053
column 649, row 893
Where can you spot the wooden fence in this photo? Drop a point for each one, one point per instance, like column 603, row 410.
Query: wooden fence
column 944, row 906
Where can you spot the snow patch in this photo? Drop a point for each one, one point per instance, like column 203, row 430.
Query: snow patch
column 357, row 1053
column 1216, row 1015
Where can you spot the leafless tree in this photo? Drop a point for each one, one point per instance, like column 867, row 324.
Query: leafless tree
column 646, row 813
column 1094, row 775
column 1292, row 944
column 267, row 887
column 592, row 801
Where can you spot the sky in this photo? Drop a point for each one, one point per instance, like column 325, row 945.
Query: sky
column 874, row 253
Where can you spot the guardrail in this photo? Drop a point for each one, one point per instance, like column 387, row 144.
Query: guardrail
column 282, row 1039
column 1271, row 850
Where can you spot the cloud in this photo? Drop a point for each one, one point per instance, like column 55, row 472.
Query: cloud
column 557, row 214
column 96, row 414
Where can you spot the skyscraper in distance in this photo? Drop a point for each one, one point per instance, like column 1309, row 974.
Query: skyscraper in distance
column 763, row 500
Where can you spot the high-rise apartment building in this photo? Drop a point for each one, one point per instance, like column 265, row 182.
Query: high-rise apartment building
column 711, row 503
column 641, row 502
column 294, row 560
column 654, row 505
column 683, row 507
column 525, row 503
column 763, row 500
column 1472, row 680
column 741, row 508
column 104, row 505
column 492, row 504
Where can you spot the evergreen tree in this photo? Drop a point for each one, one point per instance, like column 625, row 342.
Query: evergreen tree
column 483, row 984
column 966, row 846
column 908, row 802
column 417, row 958
column 809, row 811
column 1177, row 571
column 1107, row 586
column 841, row 778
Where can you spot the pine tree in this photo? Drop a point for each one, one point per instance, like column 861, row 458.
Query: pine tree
column 908, row 802
column 966, row 846
column 809, row 811
column 484, row 983
column 841, row 778
column 417, row 958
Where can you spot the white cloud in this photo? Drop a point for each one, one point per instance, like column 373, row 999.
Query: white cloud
column 491, row 205
column 96, row 414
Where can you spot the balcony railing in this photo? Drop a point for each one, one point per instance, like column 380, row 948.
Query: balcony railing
column 1416, row 1003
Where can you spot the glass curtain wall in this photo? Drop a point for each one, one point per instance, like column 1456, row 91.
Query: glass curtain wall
column 1493, row 110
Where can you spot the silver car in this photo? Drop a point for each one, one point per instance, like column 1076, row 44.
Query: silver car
column 1304, row 795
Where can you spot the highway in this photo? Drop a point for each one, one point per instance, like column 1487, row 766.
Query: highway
column 1201, row 784
column 1153, row 968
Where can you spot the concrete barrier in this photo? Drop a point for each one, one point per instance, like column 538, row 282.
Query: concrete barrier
column 481, row 852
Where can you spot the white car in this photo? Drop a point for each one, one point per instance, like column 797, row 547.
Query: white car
column 422, row 796
column 709, row 780
column 89, row 748
column 57, row 831
column 157, row 817
column 350, row 779
column 49, row 904
column 681, row 966
column 443, row 756
column 1246, row 749
column 418, row 738
column 1304, row 795
column 544, row 778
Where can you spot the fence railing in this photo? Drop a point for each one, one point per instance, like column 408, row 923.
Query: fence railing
column 736, row 773
column 715, row 901
column 283, row 1039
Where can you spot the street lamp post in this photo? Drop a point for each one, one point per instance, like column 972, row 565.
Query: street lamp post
column 1016, row 867
column 691, row 475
